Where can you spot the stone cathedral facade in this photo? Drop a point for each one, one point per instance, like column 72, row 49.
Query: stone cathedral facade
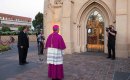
column 83, row 24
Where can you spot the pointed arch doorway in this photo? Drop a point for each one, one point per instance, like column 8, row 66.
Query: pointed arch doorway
column 95, row 32
column 93, row 18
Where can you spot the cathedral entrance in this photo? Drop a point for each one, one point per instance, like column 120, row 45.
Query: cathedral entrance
column 95, row 32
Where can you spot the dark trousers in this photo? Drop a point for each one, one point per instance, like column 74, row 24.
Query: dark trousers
column 40, row 48
column 22, row 55
column 111, row 47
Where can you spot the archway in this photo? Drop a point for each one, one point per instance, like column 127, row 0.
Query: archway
column 83, row 18
column 95, row 32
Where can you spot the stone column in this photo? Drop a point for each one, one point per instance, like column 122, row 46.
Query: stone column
column 128, row 30
column 122, row 28
column 66, row 25
column 76, row 35
column 48, row 17
column 52, row 15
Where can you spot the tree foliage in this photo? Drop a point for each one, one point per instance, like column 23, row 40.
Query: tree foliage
column 38, row 21
column 20, row 28
column 5, row 29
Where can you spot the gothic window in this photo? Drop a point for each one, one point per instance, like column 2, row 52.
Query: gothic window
column 96, row 16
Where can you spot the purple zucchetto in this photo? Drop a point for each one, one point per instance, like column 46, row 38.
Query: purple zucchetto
column 55, row 27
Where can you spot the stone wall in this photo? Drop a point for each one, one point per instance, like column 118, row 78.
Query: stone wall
column 71, row 15
column 32, row 38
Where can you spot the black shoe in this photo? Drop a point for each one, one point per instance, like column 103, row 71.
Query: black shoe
column 26, row 62
column 21, row 63
column 40, row 59
column 108, row 57
column 113, row 59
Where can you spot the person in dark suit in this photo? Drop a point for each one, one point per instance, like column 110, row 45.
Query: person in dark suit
column 111, row 41
column 23, row 45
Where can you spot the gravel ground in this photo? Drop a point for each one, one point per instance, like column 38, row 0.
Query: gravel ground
column 77, row 66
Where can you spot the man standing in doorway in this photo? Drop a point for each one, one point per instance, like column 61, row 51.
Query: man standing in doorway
column 111, row 41
column 23, row 45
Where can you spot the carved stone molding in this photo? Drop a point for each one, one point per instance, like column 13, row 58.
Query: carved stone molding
column 58, row 2
column 72, row 1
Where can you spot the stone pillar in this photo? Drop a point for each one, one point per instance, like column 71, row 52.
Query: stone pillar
column 83, row 36
column 52, row 15
column 76, row 35
column 128, row 30
column 48, row 17
column 121, row 27
column 66, row 25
